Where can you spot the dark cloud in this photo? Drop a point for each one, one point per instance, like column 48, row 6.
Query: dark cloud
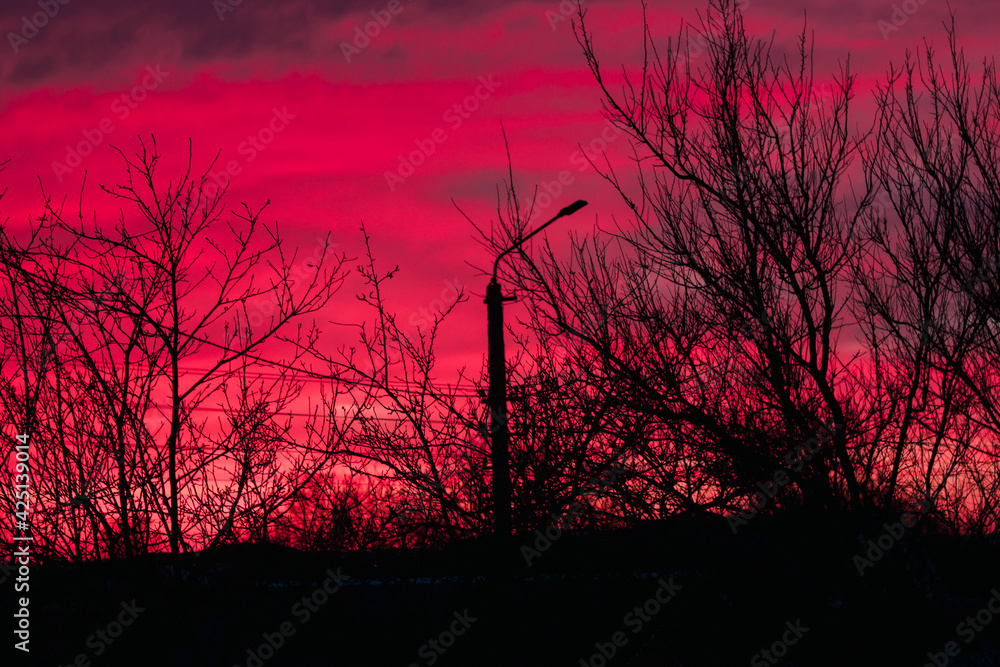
column 84, row 40
column 103, row 43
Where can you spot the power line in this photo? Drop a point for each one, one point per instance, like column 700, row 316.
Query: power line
column 206, row 408
column 312, row 376
column 468, row 389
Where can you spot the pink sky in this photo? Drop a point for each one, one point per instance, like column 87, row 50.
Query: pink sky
column 333, row 121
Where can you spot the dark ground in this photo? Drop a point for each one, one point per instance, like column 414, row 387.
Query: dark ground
column 735, row 595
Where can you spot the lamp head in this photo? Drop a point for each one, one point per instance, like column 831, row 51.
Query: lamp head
column 572, row 208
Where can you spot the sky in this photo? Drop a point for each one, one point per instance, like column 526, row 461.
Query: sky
column 386, row 112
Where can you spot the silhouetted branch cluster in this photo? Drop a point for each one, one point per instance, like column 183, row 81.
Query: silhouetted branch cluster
column 799, row 315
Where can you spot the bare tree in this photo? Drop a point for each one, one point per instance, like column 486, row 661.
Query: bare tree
column 153, row 312
column 400, row 428
column 714, row 319
column 934, row 306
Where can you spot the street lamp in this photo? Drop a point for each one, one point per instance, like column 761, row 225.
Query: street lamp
column 497, row 398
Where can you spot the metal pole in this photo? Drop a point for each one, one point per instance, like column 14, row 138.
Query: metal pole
column 497, row 398
column 497, row 402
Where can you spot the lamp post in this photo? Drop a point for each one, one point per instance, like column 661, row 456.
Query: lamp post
column 497, row 397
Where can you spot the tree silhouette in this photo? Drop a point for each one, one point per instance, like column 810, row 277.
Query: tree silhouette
column 131, row 327
column 933, row 309
column 736, row 262
column 800, row 315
